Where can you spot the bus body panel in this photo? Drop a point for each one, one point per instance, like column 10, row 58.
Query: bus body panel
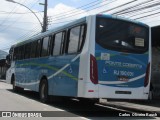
column 121, row 72
column 61, row 73
column 84, row 84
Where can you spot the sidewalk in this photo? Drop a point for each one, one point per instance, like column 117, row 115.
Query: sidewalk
column 152, row 106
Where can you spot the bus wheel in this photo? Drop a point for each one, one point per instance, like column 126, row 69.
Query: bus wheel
column 15, row 89
column 43, row 91
column 150, row 96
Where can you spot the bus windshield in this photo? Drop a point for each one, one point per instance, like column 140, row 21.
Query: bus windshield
column 121, row 35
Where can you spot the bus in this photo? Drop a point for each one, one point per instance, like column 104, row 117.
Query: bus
column 98, row 56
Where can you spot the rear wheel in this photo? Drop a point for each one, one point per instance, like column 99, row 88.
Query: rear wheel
column 150, row 96
column 43, row 91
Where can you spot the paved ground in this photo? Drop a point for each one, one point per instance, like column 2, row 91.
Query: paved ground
column 29, row 101
column 152, row 106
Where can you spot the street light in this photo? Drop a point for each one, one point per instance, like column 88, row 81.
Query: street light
column 27, row 8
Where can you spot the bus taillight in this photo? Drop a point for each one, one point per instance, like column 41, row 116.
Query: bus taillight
column 93, row 70
column 146, row 81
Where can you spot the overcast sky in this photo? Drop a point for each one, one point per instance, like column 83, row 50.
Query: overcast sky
column 15, row 27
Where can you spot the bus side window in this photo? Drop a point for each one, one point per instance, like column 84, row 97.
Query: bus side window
column 27, row 50
column 50, row 45
column 45, row 46
column 57, row 44
column 18, row 53
column 38, row 50
column 33, row 49
column 21, row 50
column 74, row 34
column 63, row 43
column 82, row 37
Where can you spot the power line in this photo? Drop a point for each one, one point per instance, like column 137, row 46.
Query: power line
column 32, row 30
column 130, row 8
column 21, row 22
column 71, row 11
column 145, row 12
column 122, row 12
column 147, row 16
column 142, row 8
column 23, row 37
column 80, row 12
column 5, row 12
column 11, row 13
column 17, row 28
column 15, row 21
column 99, row 7
column 115, row 8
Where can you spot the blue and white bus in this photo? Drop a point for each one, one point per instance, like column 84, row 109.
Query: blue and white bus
column 98, row 56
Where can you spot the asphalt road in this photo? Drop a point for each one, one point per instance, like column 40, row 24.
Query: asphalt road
column 27, row 102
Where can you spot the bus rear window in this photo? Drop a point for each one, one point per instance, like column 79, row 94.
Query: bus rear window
column 121, row 35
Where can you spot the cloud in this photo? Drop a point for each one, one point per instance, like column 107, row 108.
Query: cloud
column 75, row 0
column 18, row 27
column 62, row 14
column 15, row 26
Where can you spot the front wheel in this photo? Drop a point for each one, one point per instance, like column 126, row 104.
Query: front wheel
column 16, row 88
column 43, row 91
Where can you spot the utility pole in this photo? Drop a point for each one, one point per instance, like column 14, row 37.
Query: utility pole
column 45, row 19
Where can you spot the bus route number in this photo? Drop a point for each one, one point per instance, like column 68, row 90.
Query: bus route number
column 123, row 73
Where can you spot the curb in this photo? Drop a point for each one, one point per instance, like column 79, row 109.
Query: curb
column 129, row 108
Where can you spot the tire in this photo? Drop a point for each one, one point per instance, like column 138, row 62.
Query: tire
column 150, row 96
column 15, row 88
column 43, row 91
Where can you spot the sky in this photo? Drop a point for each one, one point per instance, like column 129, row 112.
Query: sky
column 17, row 23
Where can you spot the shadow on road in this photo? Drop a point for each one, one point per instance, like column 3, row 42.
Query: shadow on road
column 77, row 108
